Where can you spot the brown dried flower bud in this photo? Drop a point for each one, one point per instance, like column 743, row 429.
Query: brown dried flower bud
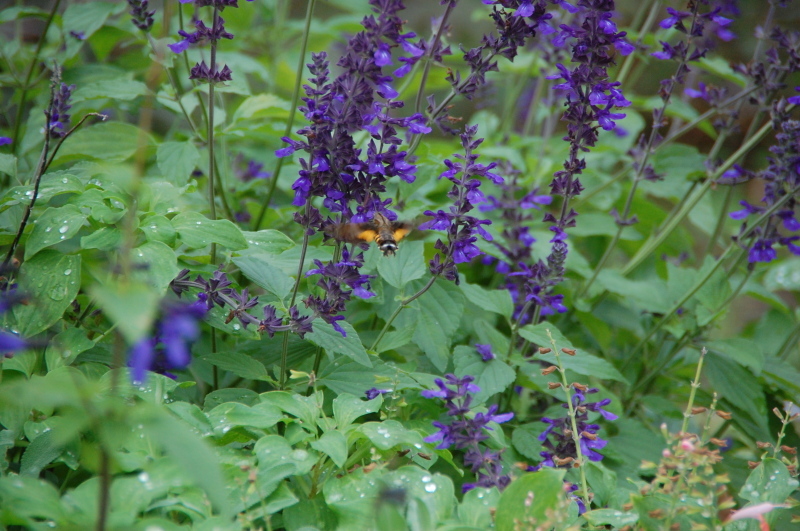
column 590, row 436
column 580, row 387
column 777, row 413
column 752, row 464
column 562, row 462
column 763, row 445
column 698, row 410
column 550, row 370
column 719, row 442
column 789, row 449
column 569, row 351
column 658, row 513
column 544, row 350
column 723, row 414
column 553, row 385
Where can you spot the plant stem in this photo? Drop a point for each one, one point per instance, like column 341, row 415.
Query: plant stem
column 399, row 308
column 429, row 55
column 25, row 86
column 576, row 437
column 687, row 414
column 298, row 80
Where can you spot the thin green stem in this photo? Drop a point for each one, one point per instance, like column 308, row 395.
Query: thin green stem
column 687, row 413
column 26, row 86
column 690, row 203
column 399, row 308
column 298, row 81
column 212, row 203
column 721, row 219
column 576, row 436
column 432, row 47
column 655, row 9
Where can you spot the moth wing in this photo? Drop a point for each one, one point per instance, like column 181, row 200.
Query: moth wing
column 400, row 231
column 367, row 234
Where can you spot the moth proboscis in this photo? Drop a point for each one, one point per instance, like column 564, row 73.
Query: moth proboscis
column 381, row 230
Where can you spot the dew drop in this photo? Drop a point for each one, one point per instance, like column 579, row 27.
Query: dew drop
column 63, row 229
column 68, row 272
column 430, row 487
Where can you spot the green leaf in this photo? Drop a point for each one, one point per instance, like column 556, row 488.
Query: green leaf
column 51, row 185
column 66, row 346
column 257, row 268
column 582, row 363
column 334, row 445
column 157, row 265
column 344, row 376
column 407, row 265
column 197, row 231
column 439, row 316
column 32, row 500
column 40, row 453
column 54, row 226
column 109, row 142
column 261, row 106
column 326, row 337
column 769, row 482
column 352, row 498
column 105, row 239
column 8, row 165
column 612, row 517
column 239, row 364
column 496, row 301
column 389, row 434
column 188, row 450
column 310, row 514
column 782, row 374
column 247, row 397
column 525, row 440
column 177, row 161
column 743, row 351
column 477, row 507
column 268, row 241
column 491, row 376
column 305, row 408
column 231, row 414
column 347, row 408
column 130, row 306
column 88, row 18
column 117, row 89
column 52, row 281
column 158, row 229
column 783, row 275
column 276, row 460
column 740, row 388
column 529, row 497
column 434, row 491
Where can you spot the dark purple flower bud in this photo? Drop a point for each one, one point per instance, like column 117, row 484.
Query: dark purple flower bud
column 4, row 141
column 203, row 73
column 141, row 17
column 485, row 351
column 373, row 393
column 300, row 325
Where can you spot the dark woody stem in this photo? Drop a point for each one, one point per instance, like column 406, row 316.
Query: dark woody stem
column 429, row 55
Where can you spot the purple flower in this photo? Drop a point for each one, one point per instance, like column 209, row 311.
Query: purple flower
column 485, row 351
column 466, row 431
column 57, row 113
column 169, row 348
column 203, row 73
column 10, row 343
column 373, row 393
column 4, row 140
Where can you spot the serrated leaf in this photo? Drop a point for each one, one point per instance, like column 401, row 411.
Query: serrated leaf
column 743, row 351
column 257, row 268
column 239, row 364
column 326, row 337
column 439, row 316
column 177, row 161
column 497, row 301
column 54, row 226
column 197, row 231
column 408, row 264
column 769, row 482
column 582, row 363
column 344, row 376
column 40, row 453
column 52, row 281
column 492, row 376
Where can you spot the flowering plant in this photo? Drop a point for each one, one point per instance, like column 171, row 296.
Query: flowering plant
column 268, row 267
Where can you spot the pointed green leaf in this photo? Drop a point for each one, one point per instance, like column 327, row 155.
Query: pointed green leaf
column 52, row 281
column 54, row 226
